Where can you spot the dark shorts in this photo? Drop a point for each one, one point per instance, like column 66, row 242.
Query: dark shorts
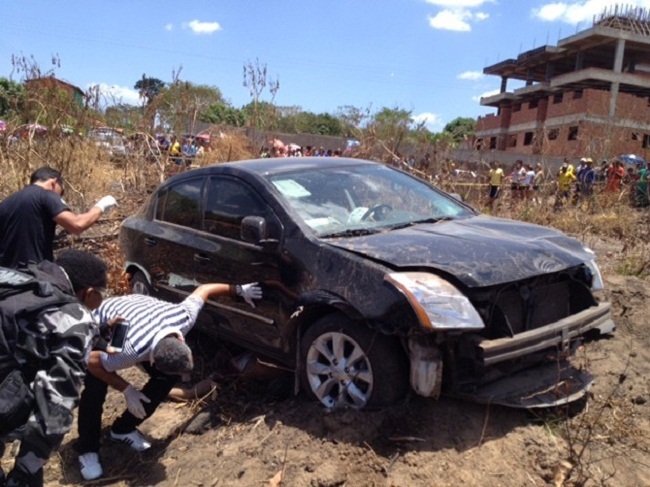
column 494, row 191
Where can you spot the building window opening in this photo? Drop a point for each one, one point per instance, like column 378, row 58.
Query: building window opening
column 634, row 136
column 557, row 97
column 528, row 138
column 577, row 94
column 532, row 104
column 512, row 140
column 493, row 142
column 573, row 133
column 553, row 134
column 646, row 141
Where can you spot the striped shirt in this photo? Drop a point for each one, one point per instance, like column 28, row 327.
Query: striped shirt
column 150, row 320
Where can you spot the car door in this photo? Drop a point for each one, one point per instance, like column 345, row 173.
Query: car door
column 171, row 253
column 222, row 256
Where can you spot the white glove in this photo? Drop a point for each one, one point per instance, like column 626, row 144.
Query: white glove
column 134, row 399
column 249, row 292
column 106, row 203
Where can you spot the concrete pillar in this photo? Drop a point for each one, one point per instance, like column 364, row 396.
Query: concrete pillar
column 617, row 68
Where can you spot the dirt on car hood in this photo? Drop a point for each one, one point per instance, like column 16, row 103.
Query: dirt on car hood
column 479, row 251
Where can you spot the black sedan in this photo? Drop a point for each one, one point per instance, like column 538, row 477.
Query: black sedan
column 374, row 281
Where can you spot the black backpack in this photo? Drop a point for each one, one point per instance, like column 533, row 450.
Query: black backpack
column 24, row 294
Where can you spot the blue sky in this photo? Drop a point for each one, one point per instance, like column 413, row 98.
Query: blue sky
column 425, row 56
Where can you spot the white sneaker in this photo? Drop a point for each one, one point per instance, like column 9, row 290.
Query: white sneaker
column 91, row 469
column 134, row 439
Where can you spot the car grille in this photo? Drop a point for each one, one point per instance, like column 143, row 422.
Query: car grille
column 527, row 305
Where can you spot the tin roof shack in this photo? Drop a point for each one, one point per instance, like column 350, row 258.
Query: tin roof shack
column 589, row 95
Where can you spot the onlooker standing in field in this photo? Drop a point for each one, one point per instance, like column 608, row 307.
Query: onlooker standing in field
column 538, row 181
column 29, row 217
column 518, row 177
column 496, row 179
column 564, row 180
column 615, row 175
column 641, row 199
column 528, row 182
column 587, row 178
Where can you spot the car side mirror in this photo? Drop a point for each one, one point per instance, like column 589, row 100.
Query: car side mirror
column 254, row 230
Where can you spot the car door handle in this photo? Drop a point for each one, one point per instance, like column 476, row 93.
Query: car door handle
column 150, row 241
column 201, row 258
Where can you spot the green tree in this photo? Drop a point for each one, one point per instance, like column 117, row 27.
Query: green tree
column 182, row 104
column 460, row 129
column 123, row 115
column 390, row 126
column 12, row 98
column 223, row 113
column 148, row 88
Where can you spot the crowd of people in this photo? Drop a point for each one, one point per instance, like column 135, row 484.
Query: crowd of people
column 570, row 184
column 56, row 329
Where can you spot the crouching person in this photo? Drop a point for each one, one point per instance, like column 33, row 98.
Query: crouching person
column 47, row 332
column 155, row 341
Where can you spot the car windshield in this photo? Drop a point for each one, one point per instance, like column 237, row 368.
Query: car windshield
column 363, row 199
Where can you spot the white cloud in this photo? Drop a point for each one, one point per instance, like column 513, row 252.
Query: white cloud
column 487, row 93
column 456, row 14
column 574, row 12
column 457, row 3
column 471, row 75
column 431, row 121
column 451, row 20
column 169, row 27
column 115, row 94
column 200, row 28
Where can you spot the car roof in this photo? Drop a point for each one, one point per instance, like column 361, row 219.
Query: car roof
column 278, row 165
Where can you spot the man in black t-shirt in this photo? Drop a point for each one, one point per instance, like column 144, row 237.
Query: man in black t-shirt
column 29, row 217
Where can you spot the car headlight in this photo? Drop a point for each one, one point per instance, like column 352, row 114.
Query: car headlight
column 596, row 278
column 438, row 304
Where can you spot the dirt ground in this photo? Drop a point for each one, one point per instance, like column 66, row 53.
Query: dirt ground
column 255, row 433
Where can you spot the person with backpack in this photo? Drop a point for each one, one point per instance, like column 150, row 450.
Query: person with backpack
column 29, row 217
column 46, row 335
column 155, row 340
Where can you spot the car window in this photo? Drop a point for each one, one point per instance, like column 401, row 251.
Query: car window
column 180, row 204
column 228, row 201
column 361, row 198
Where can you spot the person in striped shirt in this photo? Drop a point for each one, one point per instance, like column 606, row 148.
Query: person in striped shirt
column 155, row 341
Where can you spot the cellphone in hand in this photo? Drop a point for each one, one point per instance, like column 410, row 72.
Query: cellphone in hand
column 118, row 336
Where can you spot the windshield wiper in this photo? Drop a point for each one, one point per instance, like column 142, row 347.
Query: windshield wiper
column 418, row 222
column 352, row 232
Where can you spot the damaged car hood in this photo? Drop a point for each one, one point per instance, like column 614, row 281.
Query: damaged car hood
column 479, row 251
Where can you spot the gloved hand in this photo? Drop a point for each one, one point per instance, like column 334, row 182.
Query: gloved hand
column 249, row 292
column 134, row 399
column 106, row 203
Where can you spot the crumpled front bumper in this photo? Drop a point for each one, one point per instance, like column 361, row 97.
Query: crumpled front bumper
column 556, row 336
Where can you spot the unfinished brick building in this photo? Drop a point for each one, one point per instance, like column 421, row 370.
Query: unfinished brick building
column 587, row 96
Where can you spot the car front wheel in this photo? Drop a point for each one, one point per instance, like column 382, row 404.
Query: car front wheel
column 349, row 365
column 139, row 284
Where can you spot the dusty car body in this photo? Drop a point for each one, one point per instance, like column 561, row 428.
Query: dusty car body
column 373, row 281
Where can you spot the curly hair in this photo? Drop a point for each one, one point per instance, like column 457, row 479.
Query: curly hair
column 83, row 268
column 172, row 356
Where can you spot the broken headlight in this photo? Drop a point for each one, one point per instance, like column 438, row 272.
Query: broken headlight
column 596, row 278
column 438, row 304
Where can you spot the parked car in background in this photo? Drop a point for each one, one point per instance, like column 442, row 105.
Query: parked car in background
column 374, row 281
column 111, row 140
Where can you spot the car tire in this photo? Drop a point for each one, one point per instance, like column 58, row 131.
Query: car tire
column 345, row 364
column 140, row 285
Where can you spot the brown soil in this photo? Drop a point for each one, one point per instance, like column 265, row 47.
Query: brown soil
column 253, row 433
